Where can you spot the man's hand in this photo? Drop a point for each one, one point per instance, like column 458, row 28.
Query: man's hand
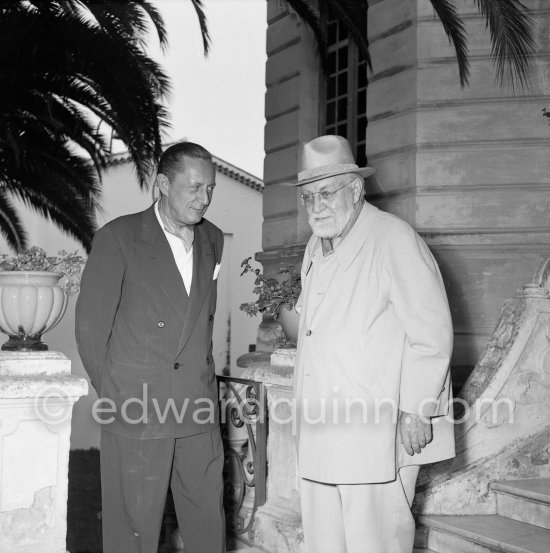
column 415, row 432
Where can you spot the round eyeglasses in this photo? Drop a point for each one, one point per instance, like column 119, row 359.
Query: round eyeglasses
column 326, row 196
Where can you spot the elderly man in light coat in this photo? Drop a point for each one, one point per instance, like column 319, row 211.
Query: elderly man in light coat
column 372, row 371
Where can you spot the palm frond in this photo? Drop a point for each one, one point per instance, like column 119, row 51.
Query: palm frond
column 510, row 27
column 353, row 15
column 58, row 187
column 158, row 23
column 454, row 28
column 311, row 18
column 86, row 64
column 201, row 15
column 11, row 227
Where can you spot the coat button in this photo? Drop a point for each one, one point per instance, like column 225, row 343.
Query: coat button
column 160, row 324
column 176, row 366
column 308, row 332
column 211, row 318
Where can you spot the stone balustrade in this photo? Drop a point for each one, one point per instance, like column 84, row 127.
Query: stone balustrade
column 504, row 430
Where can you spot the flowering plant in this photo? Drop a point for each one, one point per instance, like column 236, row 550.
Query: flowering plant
column 272, row 292
column 35, row 259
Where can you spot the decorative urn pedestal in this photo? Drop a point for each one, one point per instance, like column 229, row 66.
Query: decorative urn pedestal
column 31, row 303
column 37, row 394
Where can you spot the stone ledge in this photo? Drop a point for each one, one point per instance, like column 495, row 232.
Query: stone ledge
column 272, row 375
column 17, row 387
column 253, row 359
column 273, row 369
column 284, row 357
column 28, row 363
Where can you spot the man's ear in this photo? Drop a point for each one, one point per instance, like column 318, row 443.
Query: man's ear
column 357, row 189
column 162, row 183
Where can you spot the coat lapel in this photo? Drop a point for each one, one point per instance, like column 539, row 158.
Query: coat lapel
column 317, row 258
column 154, row 245
column 203, row 272
column 345, row 254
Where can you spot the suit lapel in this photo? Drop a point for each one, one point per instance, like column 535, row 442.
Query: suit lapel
column 203, row 272
column 154, row 245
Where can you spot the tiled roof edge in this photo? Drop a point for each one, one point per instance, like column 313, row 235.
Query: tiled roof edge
column 221, row 165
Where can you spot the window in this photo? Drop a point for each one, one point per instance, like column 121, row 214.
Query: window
column 345, row 88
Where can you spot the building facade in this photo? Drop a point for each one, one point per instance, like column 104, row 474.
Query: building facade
column 468, row 168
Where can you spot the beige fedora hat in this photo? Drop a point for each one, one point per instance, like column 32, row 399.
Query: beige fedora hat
column 327, row 156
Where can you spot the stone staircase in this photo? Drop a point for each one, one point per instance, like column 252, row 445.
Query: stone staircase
column 474, row 502
column 521, row 525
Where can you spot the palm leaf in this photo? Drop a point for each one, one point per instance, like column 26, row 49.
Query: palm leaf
column 311, row 17
column 86, row 63
column 199, row 9
column 10, row 224
column 454, row 28
column 353, row 15
column 510, row 27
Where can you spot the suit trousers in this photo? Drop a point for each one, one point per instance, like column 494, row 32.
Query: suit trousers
column 360, row 518
column 135, row 475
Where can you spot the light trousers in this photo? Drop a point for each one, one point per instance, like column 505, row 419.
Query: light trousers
column 359, row 518
column 135, row 475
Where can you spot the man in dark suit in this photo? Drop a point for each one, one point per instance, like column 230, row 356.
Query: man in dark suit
column 144, row 322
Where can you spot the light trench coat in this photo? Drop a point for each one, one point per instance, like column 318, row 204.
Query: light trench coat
column 375, row 336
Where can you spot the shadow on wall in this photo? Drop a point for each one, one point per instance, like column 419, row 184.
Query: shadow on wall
column 84, row 503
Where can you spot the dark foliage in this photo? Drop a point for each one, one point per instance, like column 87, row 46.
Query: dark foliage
column 65, row 67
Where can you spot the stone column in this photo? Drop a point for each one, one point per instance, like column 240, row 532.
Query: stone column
column 292, row 117
column 37, row 393
column 278, row 523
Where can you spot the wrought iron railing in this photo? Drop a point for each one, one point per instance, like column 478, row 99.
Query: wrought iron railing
column 244, row 429
column 243, row 414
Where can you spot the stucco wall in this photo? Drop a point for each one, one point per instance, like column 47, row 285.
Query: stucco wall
column 236, row 209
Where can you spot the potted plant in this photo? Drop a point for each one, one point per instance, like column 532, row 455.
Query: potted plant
column 34, row 289
column 276, row 297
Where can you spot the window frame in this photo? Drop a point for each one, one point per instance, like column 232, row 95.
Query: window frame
column 356, row 114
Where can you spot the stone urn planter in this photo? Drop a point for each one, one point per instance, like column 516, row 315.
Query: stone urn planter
column 277, row 297
column 289, row 319
column 31, row 303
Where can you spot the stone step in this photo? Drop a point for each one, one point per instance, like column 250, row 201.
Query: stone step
column 483, row 534
column 524, row 500
column 257, row 550
column 248, row 550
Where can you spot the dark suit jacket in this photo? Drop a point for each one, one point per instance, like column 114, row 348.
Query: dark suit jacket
column 146, row 345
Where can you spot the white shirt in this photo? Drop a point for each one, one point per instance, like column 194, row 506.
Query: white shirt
column 183, row 259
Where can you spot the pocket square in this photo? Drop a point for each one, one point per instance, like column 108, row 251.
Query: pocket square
column 216, row 271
